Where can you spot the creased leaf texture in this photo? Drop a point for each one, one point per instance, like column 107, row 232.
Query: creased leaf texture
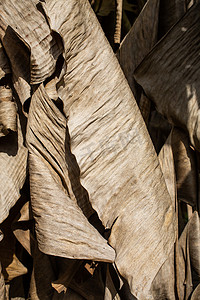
column 118, row 164
column 61, row 227
column 139, row 41
column 169, row 74
column 13, row 163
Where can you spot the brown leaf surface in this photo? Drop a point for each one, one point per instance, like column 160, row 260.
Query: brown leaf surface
column 110, row 290
column 175, row 281
column 8, row 111
column 2, row 286
column 42, row 275
column 87, row 285
column 12, row 267
column 67, row 270
column 139, row 41
column 35, row 52
column 70, row 295
column 189, row 256
column 61, row 227
column 13, row 160
column 21, row 227
column 170, row 12
column 105, row 138
column 34, row 32
column 185, row 167
column 166, row 160
column 169, row 74
column 163, row 285
column 196, row 293
column 4, row 64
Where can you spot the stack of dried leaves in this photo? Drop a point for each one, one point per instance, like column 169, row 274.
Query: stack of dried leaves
column 99, row 195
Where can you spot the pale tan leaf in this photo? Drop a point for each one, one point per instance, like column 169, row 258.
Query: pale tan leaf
column 175, row 278
column 196, row 293
column 13, row 161
column 34, row 31
column 166, row 160
column 163, row 286
column 8, row 111
column 30, row 45
column 61, row 227
column 118, row 165
column 118, row 25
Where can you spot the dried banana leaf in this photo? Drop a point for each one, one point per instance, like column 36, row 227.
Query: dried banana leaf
column 16, row 289
column 110, row 290
column 185, row 168
column 175, row 279
column 21, row 227
column 61, row 227
column 87, row 285
column 159, row 129
column 70, row 295
column 2, row 286
column 13, row 160
column 170, row 12
column 106, row 7
column 8, row 111
column 139, row 41
column 196, row 293
column 163, row 285
column 190, row 258
column 106, row 131
column 67, row 270
column 164, row 282
column 29, row 44
column 42, row 275
column 169, row 74
column 34, row 32
column 12, row 267
column 4, row 63
column 167, row 165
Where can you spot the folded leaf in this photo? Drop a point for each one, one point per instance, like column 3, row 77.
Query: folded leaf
column 118, row 165
column 185, row 167
column 34, row 32
column 170, row 12
column 42, row 275
column 8, row 111
column 139, row 41
column 2, row 286
column 169, row 74
column 110, row 290
column 13, row 161
column 61, row 227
